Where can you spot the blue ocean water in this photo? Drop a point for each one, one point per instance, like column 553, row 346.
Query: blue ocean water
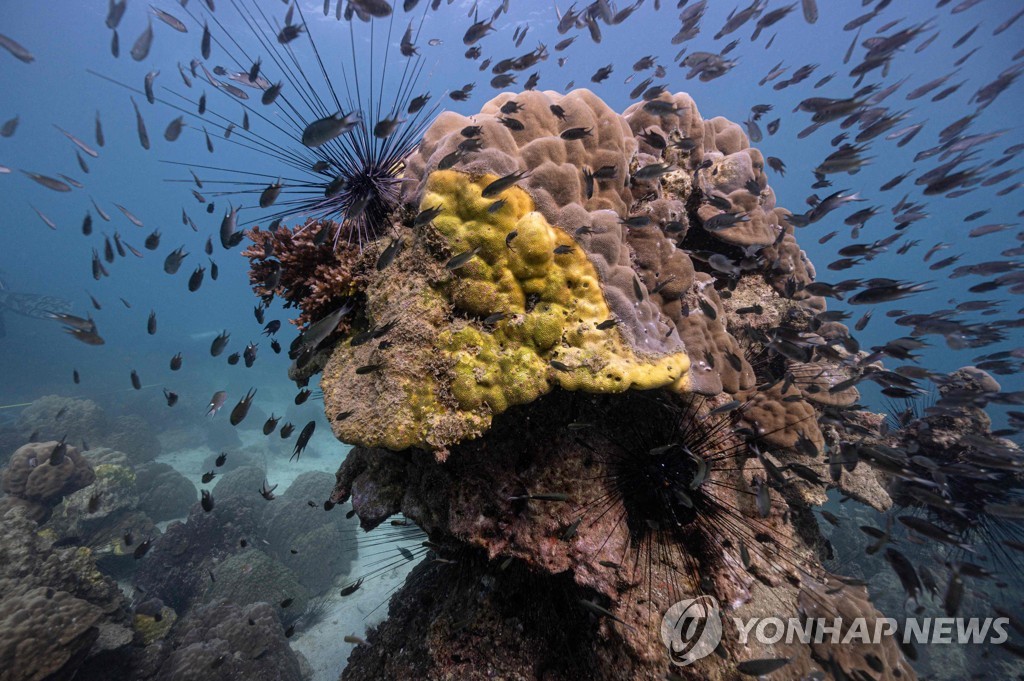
column 69, row 84
column 57, row 90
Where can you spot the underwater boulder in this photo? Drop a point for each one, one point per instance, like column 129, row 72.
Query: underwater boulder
column 164, row 493
column 319, row 545
column 134, row 436
column 230, row 642
column 53, row 416
column 252, row 576
column 176, row 567
column 244, row 481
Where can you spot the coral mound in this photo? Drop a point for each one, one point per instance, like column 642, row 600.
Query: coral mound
column 33, row 481
column 608, row 266
column 585, row 363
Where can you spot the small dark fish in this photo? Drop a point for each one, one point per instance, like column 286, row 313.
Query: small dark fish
column 762, row 666
column 16, row 49
column 426, row 216
column 148, row 86
column 302, row 396
column 541, row 497
column 142, row 548
column 241, row 409
column 216, row 402
column 271, row 424
column 99, row 130
column 219, row 343
column 598, row 610
column 511, row 123
column 321, row 131
column 575, row 133
column 204, row 44
column 764, row 502
column 287, row 430
column 271, row 93
column 417, row 103
column 904, row 569
column 136, row 382
column 207, row 501
column 386, row 127
column 221, row 458
column 498, row 186
column 461, row 259
column 74, row 375
column 560, row 366
column 169, row 19
column 810, row 8
column 176, row 362
column 195, row 280
column 270, row 194
column 601, row 74
column 352, row 588
column 140, row 126
column 954, row 594
column 389, row 254
column 171, row 397
column 303, row 440
column 152, row 241
column 653, row 171
column 140, row 50
column 59, row 452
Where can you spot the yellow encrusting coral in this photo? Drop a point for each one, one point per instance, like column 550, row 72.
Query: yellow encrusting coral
column 449, row 361
column 542, row 281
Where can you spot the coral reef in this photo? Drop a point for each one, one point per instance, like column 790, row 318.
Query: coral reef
column 296, row 527
column 37, row 478
column 249, row 549
column 164, row 493
column 243, row 481
column 176, row 569
column 59, row 610
column 306, row 272
column 589, row 369
column 252, row 577
column 238, row 642
column 64, row 618
column 982, row 478
column 53, row 417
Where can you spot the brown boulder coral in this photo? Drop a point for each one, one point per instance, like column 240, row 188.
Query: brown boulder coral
column 37, row 478
column 596, row 323
column 60, row 613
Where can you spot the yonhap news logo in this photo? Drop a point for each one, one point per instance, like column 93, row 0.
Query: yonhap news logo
column 691, row 629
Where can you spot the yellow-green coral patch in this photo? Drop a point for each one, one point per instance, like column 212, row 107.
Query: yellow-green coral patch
column 549, row 291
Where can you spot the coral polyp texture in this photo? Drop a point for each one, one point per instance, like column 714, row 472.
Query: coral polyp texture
column 573, row 277
column 307, row 272
column 585, row 362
